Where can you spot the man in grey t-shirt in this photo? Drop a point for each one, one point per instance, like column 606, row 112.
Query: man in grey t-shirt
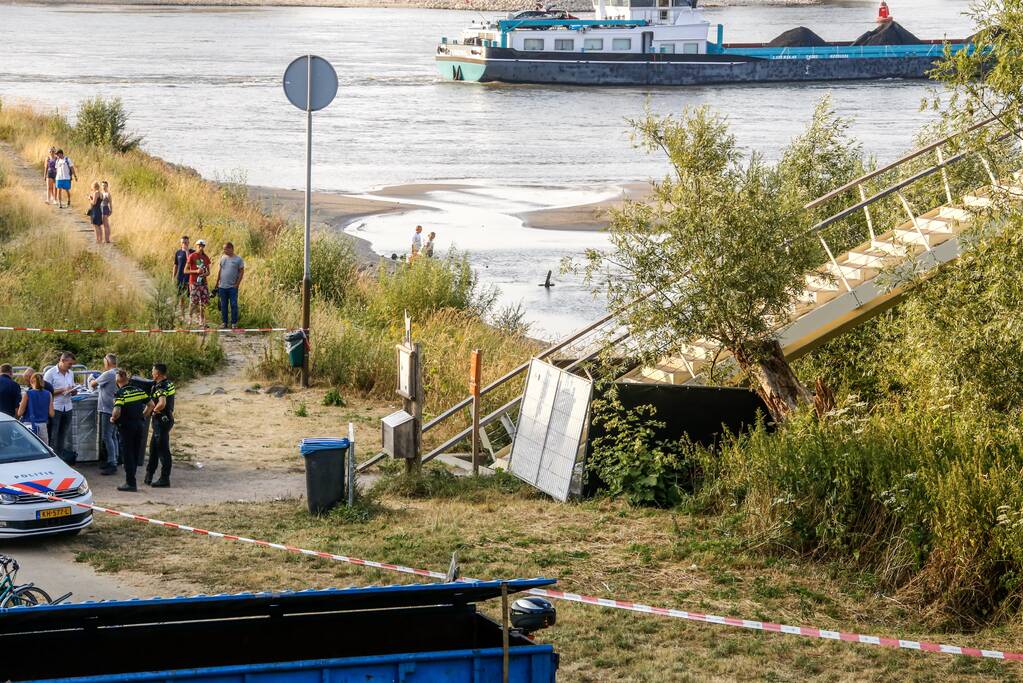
column 229, row 279
column 106, row 385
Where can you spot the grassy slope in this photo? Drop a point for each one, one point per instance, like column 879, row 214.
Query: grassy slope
column 600, row 547
column 40, row 258
column 356, row 324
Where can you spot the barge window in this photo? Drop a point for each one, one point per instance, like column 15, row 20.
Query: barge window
column 532, row 44
column 621, row 44
column 664, row 15
column 666, row 47
column 564, row 44
column 593, row 43
column 691, row 48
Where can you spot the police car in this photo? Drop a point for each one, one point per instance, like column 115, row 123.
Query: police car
column 27, row 464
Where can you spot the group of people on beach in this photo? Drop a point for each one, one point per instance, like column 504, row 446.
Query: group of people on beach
column 58, row 172
column 192, row 269
column 418, row 247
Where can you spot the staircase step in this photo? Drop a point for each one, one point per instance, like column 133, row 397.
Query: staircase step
column 955, row 213
column 697, row 353
column 890, row 247
column 973, row 200
column 928, row 239
column 872, row 258
column 935, row 224
column 816, row 297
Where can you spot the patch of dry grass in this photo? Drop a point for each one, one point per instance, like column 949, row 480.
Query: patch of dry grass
column 602, row 547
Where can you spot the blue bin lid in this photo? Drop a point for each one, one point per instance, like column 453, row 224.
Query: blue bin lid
column 307, row 446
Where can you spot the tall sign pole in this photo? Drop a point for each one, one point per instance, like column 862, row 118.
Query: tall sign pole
column 307, row 275
column 310, row 83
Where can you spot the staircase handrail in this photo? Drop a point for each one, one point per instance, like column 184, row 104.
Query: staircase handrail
column 895, row 164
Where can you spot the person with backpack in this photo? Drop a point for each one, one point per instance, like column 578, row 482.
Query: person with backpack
column 64, row 173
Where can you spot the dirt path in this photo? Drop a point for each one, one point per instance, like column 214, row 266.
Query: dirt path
column 232, row 441
column 74, row 222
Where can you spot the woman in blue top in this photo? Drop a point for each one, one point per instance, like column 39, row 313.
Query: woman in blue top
column 36, row 407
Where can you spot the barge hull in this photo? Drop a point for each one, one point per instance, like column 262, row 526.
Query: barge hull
column 677, row 72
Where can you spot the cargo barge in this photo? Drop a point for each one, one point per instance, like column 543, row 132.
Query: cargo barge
column 667, row 42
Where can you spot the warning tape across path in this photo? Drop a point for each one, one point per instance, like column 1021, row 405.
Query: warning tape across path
column 700, row 617
column 102, row 330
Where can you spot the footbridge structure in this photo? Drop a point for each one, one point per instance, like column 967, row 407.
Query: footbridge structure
column 848, row 288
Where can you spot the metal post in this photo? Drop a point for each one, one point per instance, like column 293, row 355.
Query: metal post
column 944, row 176
column 475, row 372
column 866, row 211
column 307, row 280
column 351, row 465
column 414, row 407
column 913, row 218
column 504, row 631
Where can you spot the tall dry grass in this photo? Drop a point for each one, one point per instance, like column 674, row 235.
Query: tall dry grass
column 50, row 279
column 356, row 315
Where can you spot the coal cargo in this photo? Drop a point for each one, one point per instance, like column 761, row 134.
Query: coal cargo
column 800, row 36
column 890, row 33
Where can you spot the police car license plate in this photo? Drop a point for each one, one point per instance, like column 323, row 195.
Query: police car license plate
column 56, row 512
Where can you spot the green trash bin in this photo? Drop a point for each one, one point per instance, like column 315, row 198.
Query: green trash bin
column 324, row 472
column 294, row 345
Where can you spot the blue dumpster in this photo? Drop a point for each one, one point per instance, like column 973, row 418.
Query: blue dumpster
column 422, row 633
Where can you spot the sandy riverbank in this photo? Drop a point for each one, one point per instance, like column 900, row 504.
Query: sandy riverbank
column 337, row 211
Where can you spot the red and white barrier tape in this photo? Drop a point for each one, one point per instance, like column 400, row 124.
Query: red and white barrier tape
column 805, row 631
column 24, row 488
column 102, row 330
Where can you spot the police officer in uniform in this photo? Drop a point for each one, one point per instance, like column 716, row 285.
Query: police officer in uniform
column 161, row 407
column 130, row 404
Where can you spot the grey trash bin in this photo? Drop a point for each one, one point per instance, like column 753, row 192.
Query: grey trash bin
column 324, row 472
column 85, row 427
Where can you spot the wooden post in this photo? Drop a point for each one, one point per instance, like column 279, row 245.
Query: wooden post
column 475, row 382
column 414, row 407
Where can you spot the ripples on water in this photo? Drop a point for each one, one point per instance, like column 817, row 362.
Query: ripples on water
column 203, row 86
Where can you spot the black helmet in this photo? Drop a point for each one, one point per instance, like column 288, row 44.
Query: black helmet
column 532, row 614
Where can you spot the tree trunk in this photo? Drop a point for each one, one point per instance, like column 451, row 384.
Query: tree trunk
column 776, row 384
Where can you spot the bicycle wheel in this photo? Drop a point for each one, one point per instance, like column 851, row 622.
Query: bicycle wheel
column 26, row 596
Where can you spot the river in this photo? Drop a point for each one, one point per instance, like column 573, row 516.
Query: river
column 204, row 87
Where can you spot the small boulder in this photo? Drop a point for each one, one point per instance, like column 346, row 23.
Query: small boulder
column 277, row 390
column 218, row 390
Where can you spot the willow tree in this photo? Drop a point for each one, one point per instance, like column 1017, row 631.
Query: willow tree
column 987, row 80
column 720, row 249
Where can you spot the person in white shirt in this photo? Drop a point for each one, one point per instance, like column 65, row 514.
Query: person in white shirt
column 417, row 242
column 63, row 382
column 65, row 172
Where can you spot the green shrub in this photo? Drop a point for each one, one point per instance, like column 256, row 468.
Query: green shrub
column 428, row 285
column 334, row 398
column 929, row 500
column 630, row 460
column 332, row 261
column 104, row 123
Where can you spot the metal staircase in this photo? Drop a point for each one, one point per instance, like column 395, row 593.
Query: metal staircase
column 856, row 285
column 844, row 291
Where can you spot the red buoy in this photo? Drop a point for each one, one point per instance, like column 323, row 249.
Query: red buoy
column 883, row 13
